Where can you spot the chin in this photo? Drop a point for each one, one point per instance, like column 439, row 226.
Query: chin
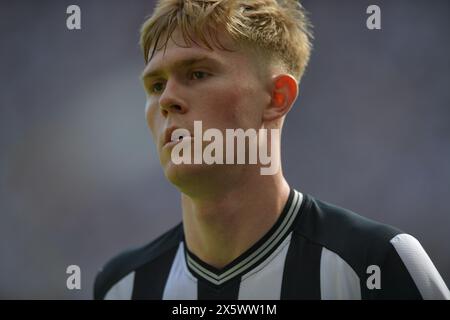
column 195, row 180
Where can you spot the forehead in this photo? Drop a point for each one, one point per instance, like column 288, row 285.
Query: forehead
column 178, row 52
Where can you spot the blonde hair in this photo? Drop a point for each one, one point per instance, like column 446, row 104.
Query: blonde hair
column 277, row 29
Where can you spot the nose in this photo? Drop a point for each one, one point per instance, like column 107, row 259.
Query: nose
column 170, row 101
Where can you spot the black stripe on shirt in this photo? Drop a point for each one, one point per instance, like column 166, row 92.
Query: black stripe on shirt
column 301, row 276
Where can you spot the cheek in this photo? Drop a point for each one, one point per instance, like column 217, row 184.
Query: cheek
column 227, row 109
column 245, row 108
column 151, row 116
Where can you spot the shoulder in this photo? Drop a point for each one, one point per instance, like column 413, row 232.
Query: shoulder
column 128, row 261
column 364, row 245
column 342, row 230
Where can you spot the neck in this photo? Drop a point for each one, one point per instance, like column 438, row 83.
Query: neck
column 220, row 228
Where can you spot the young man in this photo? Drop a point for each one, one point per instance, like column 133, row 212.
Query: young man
column 246, row 234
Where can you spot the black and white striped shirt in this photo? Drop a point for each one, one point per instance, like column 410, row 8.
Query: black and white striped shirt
column 315, row 250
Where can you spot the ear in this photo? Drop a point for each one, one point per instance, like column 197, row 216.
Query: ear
column 284, row 93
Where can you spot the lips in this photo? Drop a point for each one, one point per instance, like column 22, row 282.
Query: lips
column 168, row 135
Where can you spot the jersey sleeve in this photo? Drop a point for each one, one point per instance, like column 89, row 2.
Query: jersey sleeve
column 409, row 273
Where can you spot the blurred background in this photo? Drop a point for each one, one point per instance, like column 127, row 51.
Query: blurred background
column 79, row 176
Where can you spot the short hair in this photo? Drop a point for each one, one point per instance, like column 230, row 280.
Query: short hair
column 278, row 29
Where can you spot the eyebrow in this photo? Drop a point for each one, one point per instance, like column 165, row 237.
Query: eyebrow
column 181, row 63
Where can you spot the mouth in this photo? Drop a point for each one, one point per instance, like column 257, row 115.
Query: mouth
column 174, row 135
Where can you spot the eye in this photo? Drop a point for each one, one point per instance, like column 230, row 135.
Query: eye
column 156, row 88
column 197, row 75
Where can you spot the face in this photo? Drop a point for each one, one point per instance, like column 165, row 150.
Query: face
column 223, row 89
